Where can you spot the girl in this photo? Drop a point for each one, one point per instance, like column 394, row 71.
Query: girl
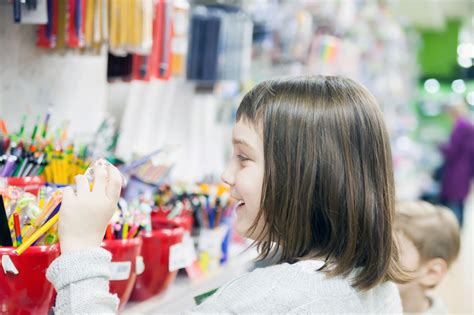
column 312, row 174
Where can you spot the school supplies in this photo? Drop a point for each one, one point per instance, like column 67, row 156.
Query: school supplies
column 129, row 219
column 28, row 242
column 156, row 63
column 219, row 45
column 16, row 219
column 211, row 204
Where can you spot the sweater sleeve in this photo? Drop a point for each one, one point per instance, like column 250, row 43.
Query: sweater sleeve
column 81, row 280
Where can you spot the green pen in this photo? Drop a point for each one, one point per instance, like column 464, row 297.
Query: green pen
column 35, row 129
column 22, row 127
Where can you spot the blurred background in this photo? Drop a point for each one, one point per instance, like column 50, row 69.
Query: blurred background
column 125, row 78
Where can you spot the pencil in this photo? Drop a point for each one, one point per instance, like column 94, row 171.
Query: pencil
column 45, row 227
column 16, row 218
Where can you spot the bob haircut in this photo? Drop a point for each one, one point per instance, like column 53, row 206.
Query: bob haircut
column 328, row 187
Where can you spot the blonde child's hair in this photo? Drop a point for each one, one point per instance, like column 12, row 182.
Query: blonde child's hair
column 433, row 230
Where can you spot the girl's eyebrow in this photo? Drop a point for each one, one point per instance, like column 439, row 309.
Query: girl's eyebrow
column 240, row 141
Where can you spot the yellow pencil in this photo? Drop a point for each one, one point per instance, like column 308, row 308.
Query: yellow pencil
column 37, row 234
column 125, row 231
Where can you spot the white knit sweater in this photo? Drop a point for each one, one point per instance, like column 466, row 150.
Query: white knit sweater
column 81, row 280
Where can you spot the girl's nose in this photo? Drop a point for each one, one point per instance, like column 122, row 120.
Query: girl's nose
column 228, row 176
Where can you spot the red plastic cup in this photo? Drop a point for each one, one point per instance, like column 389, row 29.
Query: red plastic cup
column 184, row 220
column 124, row 251
column 28, row 292
column 156, row 253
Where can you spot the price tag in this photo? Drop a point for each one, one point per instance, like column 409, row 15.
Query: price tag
column 183, row 254
column 120, row 270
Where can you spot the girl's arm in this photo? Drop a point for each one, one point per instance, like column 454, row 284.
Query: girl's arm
column 81, row 274
column 81, row 279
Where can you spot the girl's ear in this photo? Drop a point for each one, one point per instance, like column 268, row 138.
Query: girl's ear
column 433, row 272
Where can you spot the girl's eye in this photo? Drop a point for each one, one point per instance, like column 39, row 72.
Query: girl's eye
column 242, row 158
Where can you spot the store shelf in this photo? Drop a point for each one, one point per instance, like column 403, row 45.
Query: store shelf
column 180, row 295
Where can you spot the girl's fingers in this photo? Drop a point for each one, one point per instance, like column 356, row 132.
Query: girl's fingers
column 100, row 177
column 68, row 193
column 115, row 183
column 82, row 184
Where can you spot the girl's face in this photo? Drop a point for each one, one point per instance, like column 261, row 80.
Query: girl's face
column 244, row 175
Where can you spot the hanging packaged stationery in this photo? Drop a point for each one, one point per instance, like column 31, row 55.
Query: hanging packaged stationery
column 140, row 68
column 81, row 20
column 157, row 63
column 95, row 23
column 130, row 26
column 163, row 69
column 46, row 34
column 74, row 24
column 235, row 44
column 61, row 24
column 144, row 64
column 203, row 46
column 180, row 37
column 89, row 23
column 72, row 36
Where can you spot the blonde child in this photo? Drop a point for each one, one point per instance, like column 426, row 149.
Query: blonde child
column 429, row 243
column 312, row 173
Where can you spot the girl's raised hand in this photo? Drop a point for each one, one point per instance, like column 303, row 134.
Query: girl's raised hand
column 84, row 214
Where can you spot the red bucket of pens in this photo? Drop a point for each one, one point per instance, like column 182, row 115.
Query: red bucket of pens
column 156, row 253
column 184, row 220
column 24, row 288
column 29, row 184
column 125, row 266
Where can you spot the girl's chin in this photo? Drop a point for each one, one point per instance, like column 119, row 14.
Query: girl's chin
column 242, row 229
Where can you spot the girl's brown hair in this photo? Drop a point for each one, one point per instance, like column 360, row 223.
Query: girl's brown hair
column 328, row 188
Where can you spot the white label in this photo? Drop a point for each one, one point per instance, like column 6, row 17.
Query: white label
column 120, row 270
column 211, row 240
column 183, row 254
column 8, row 265
column 139, row 265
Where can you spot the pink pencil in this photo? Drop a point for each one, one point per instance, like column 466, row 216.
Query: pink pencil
column 132, row 231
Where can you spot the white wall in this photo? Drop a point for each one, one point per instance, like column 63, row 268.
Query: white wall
column 33, row 80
